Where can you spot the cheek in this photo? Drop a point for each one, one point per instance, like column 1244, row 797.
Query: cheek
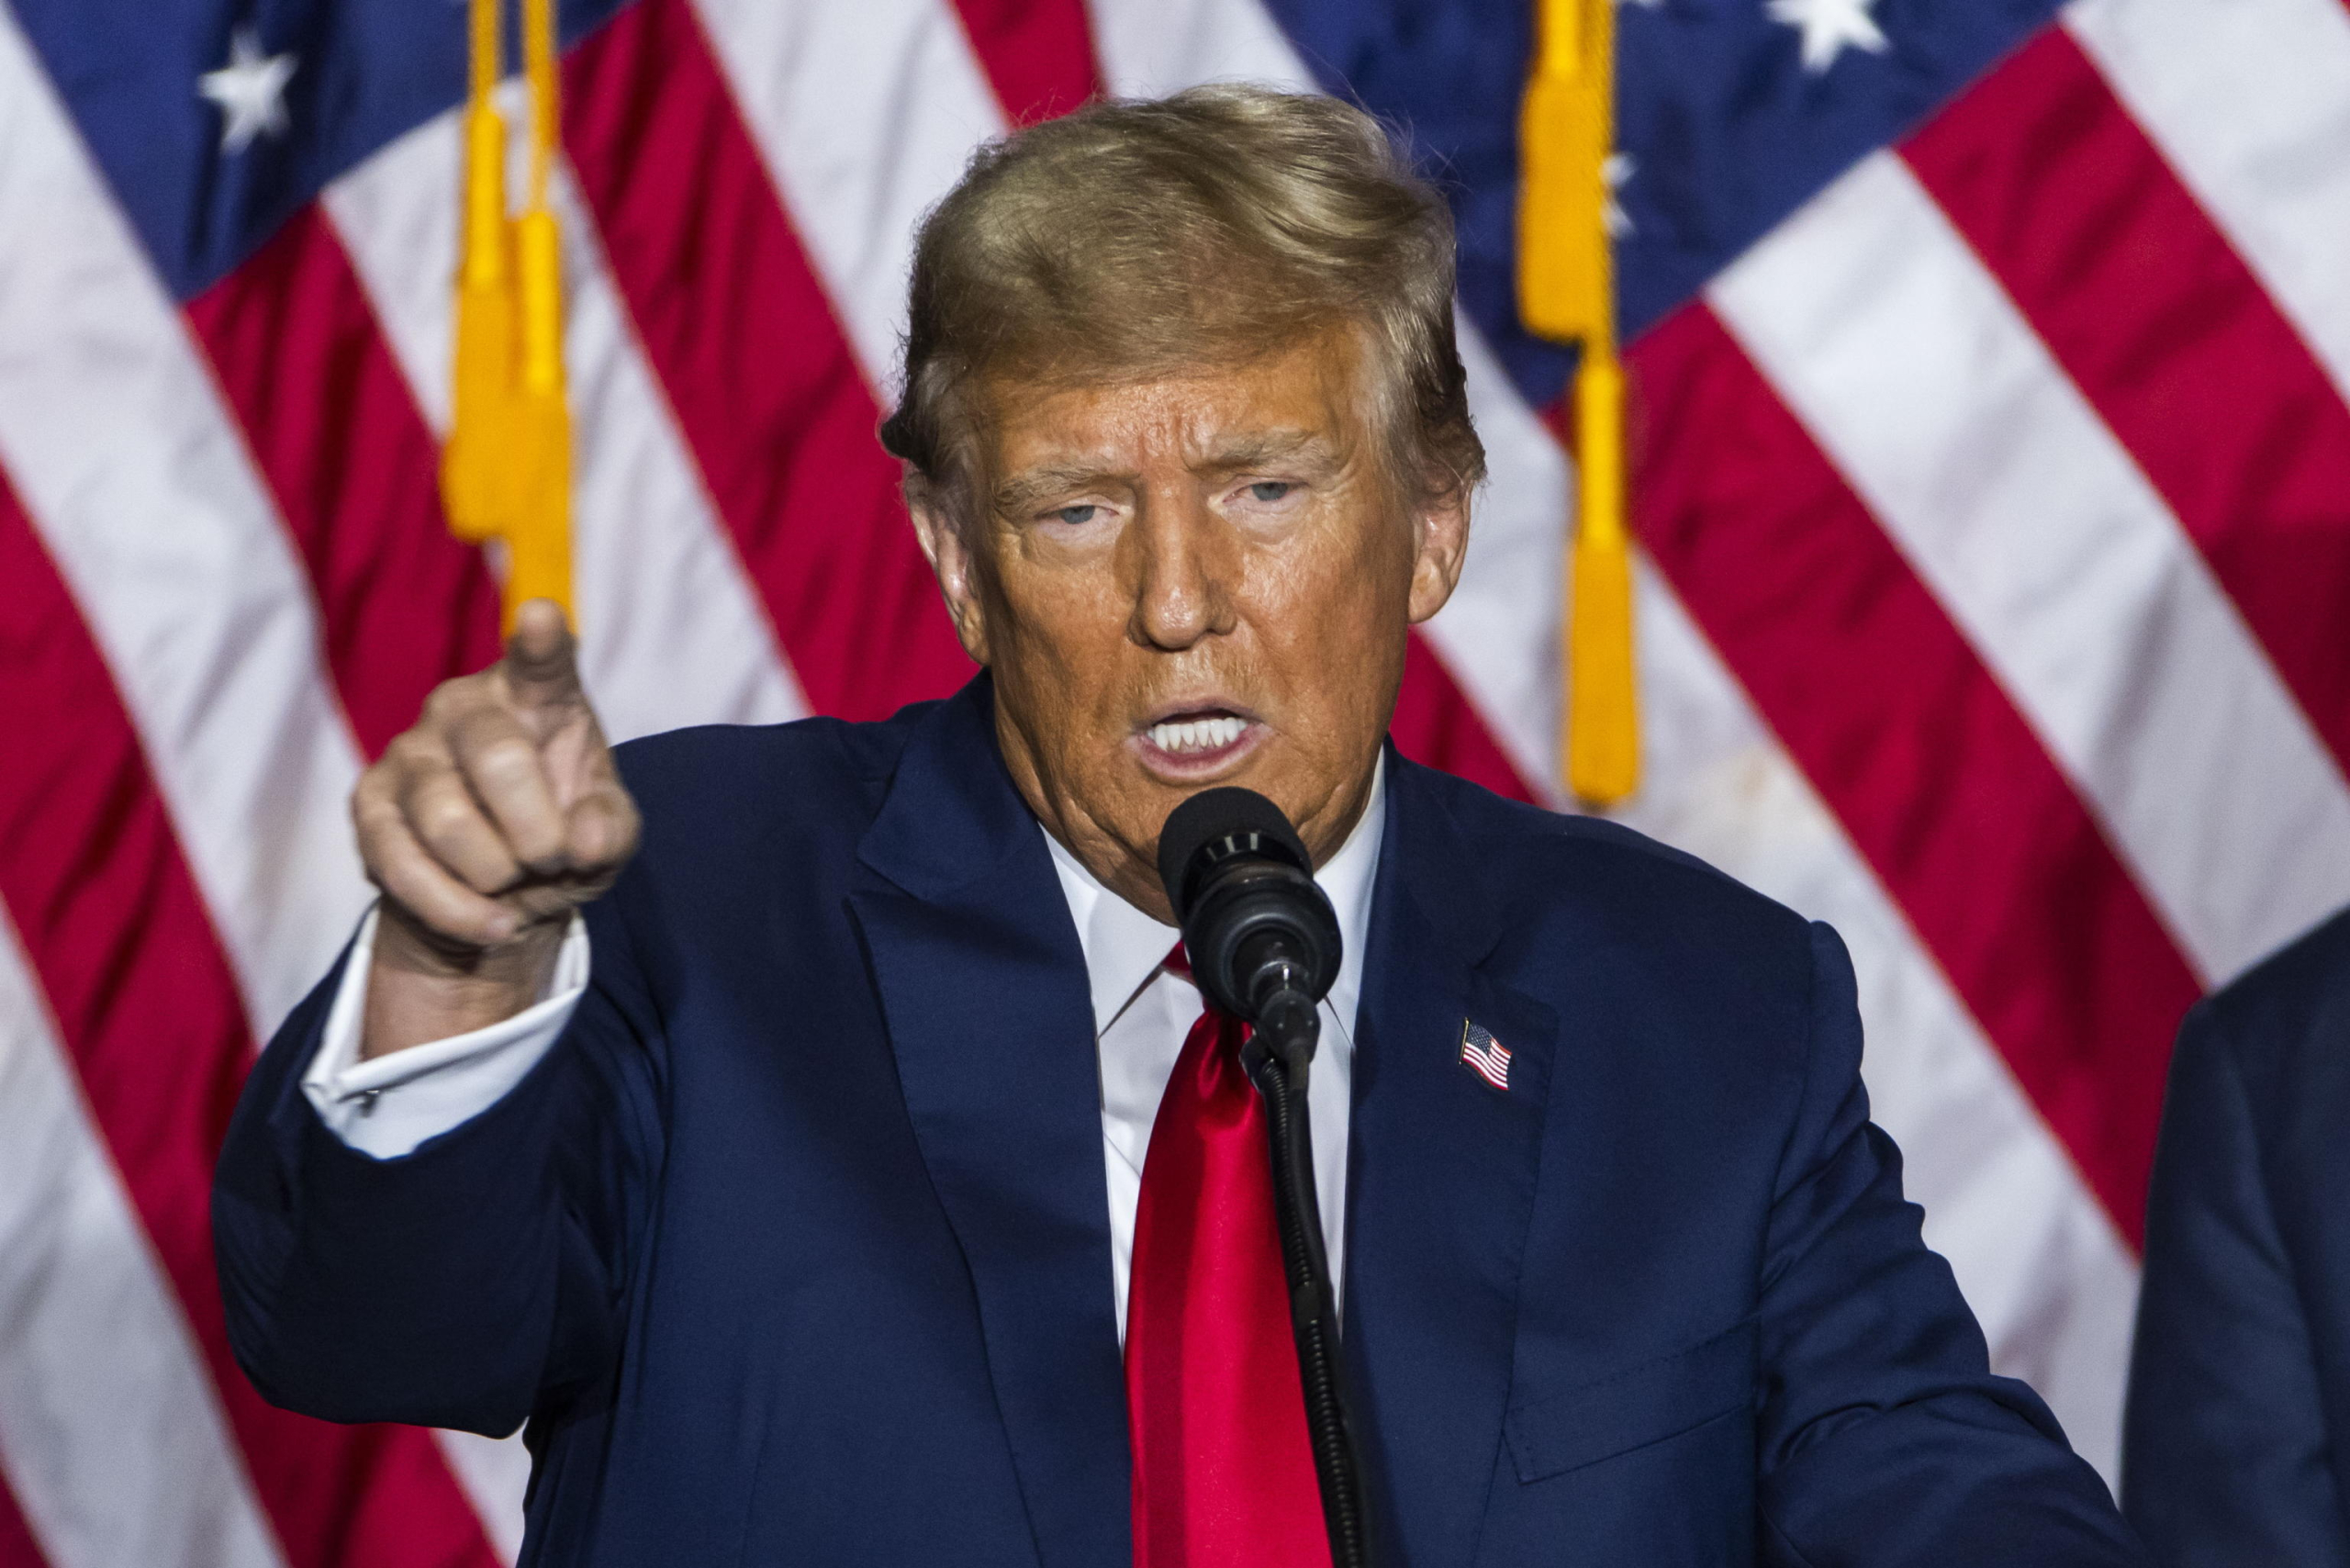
column 1336, row 617
column 1060, row 655
column 1054, row 612
column 1347, row 582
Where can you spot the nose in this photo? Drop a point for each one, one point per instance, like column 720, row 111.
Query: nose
column 1182, row 576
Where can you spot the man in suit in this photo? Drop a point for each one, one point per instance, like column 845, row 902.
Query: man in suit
column 2239, row 1414
column 779, row 1120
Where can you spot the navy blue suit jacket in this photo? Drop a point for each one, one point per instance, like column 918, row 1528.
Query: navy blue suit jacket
column 796, row 1248
column 2237, row 1442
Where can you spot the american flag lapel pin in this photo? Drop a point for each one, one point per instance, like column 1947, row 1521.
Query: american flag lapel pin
column 1483, row 1055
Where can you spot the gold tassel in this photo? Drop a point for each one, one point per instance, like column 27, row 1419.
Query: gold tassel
column 506, row 472
column 539, row 545
column 539, row 540
column 476, row 477
column 1602, row 760
column 1566, row 292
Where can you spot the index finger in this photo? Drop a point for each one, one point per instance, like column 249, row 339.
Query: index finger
column 498, row 758
column 541, row 656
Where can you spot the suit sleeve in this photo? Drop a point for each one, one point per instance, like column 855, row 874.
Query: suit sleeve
column 473, row 1281
column 1883, row 1439
column 2225, row 1455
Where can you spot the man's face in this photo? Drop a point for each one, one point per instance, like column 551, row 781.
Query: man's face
column 1188, row 582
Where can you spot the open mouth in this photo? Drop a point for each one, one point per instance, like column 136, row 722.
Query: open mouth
column 1197, row 740
column 1185, row 737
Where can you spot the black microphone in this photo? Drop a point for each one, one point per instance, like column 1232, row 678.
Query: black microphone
column 1261, row 937
column 1263, row 942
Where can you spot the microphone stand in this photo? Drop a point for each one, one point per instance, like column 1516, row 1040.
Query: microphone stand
column 1276, row 1057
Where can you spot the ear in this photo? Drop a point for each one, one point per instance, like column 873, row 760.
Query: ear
column 1440, row 540
column 946, row 545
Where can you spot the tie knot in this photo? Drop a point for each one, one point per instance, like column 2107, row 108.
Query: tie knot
column 1214, row 1023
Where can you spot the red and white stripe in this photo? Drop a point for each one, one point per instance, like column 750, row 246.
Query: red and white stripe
column 2030, row 523
column 672, row 634
column 1964, row 626
column 122, row 1457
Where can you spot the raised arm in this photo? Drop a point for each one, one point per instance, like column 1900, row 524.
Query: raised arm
column 468, row 1280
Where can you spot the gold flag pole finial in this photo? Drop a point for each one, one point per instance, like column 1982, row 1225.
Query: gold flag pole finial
column 506, row 472
column 1566, row 292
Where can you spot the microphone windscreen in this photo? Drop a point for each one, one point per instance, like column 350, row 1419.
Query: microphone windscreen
column 1213, row 814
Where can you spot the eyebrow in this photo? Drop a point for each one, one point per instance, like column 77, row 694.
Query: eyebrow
column 1274, row 447
column 1026, row 490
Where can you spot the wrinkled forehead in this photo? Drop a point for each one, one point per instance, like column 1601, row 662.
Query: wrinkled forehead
column 1310, row 398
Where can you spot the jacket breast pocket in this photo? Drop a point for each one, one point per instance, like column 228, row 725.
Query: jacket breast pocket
column 1633, row 1407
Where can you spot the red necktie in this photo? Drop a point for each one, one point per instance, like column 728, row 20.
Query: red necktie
column 1224, row 1475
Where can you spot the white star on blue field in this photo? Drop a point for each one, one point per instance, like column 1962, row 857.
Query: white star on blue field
column 1828, row 27
column 250, row 90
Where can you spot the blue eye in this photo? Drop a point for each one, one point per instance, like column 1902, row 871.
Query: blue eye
column 1269, row 490
column 1077, row 516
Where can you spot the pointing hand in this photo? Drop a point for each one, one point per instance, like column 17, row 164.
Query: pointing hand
column 486, row 825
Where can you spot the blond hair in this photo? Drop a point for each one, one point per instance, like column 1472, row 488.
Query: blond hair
column 1137, row 239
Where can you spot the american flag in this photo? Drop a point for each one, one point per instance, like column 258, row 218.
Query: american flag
column 1991, row 469
column 1484, row 1055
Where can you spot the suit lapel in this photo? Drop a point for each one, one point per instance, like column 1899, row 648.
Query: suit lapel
column 1442, row 1172
column 983, row 987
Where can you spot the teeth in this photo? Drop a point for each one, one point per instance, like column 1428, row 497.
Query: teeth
column 1198, row 734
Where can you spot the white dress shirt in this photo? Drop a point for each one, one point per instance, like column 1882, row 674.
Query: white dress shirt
column 1141, row 1014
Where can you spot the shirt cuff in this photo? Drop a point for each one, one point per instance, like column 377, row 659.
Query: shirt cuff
column 387, row 1106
